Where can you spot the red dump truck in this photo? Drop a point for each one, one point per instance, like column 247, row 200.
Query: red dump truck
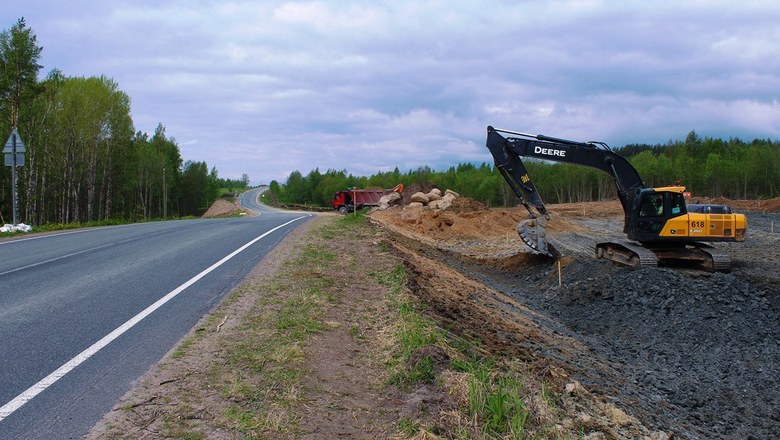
column 351, row 199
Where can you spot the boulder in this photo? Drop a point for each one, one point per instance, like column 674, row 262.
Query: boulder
column 416, row 205
column 420, row 197
column 434, row 204
column 449, row 191
column 388, row 200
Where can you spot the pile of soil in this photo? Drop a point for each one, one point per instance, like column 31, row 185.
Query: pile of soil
column 689, row 353
column 222, row 208
column 406, row 195
column 452, row 225
column 769, row 205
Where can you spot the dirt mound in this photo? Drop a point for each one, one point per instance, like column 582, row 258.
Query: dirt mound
column 222, row 208
column 769, row 205
column 453, row 225
column 406, row 196
column 463, row 205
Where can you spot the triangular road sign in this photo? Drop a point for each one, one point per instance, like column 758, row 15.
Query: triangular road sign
column 9, row 145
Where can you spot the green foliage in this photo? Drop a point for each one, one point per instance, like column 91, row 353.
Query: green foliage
column 496, row 400
column 19, row 55
column 199, row 188
column 85, row 162
column 414, row 332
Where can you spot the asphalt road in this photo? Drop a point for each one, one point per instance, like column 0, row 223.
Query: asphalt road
column 85, row 313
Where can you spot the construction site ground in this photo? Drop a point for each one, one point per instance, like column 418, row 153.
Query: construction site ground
column 686, row 352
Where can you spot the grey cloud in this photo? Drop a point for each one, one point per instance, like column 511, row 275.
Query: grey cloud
column 268, row 87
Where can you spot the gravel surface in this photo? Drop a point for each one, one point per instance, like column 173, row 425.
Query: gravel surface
column 698, row 352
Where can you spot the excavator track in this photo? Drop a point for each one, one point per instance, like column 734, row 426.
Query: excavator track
column 717, row 261
column 626, row 253
column 695, row 255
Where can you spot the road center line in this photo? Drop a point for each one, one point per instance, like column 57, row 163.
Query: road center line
column 51, row 260
column 18, row 401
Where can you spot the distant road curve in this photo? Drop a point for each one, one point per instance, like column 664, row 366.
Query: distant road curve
column 250, row 200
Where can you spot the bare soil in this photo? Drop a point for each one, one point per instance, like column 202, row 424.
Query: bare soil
column 224, row 208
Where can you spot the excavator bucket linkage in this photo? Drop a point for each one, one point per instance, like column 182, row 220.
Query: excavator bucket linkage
column 533, row 232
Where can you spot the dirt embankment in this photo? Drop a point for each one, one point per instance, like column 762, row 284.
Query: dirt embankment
column 689, row 353
column 224, row 208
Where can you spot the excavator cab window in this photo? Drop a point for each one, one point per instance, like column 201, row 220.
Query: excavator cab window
column 678, row 204
column 652, row 206
column 651, row 214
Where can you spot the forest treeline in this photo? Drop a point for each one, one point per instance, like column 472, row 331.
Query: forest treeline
column 708, row 167
column 84, row 159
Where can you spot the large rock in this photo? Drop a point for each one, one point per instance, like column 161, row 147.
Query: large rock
column 416, row 205
column 447, row 199
column 420, row 197
column 435, row 194
column 388, row 200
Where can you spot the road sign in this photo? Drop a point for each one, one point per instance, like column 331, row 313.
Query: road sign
column 9, row 160
column 14, row 158
column 14, row 139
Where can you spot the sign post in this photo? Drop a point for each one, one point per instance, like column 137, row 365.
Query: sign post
column 14, row 157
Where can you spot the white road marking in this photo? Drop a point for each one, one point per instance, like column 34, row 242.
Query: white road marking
column 57, row 234
column 18, row 401
column 64, row 256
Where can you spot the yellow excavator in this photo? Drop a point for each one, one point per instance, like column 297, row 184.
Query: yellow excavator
column 660, row 226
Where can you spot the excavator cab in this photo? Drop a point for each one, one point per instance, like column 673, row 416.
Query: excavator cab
column 654, row 207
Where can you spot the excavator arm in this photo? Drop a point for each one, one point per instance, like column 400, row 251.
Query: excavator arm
column 508, row 150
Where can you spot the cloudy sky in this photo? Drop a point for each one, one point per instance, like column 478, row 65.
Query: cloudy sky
column 268, row 87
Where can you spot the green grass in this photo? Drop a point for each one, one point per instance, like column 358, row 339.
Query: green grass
column 271, row 346
column 183, row 348
column 66, row 226
column 347, row 226
column 413, row 332
column 261, row 371
column 408, row 427
column 497, row 397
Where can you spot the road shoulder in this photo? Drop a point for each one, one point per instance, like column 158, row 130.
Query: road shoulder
column 289, row 353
